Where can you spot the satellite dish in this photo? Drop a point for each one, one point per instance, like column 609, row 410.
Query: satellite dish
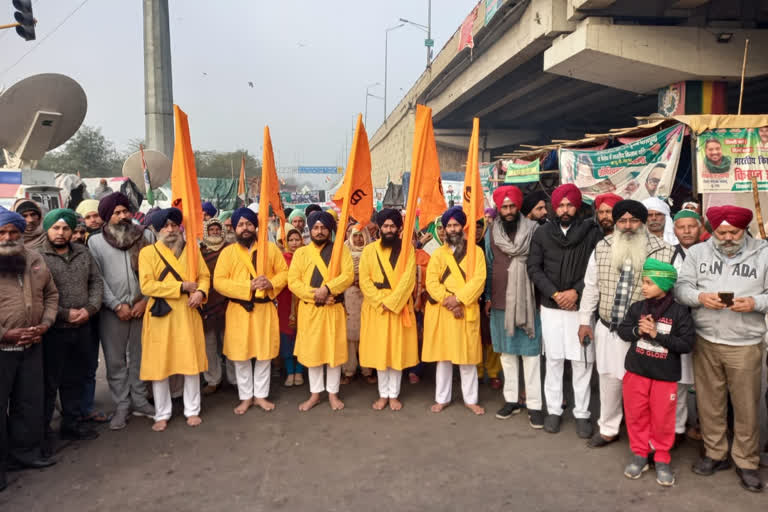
column 40, row 113
column 159, row 169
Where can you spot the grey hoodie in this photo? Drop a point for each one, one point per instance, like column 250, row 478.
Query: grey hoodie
column 706, row 270
column 121, row 283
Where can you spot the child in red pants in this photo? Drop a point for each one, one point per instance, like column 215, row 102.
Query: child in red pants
column 660, row 330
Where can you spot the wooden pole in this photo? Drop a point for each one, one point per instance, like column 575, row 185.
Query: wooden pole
column 743, row 72
column 10, row 25
column 758, row 211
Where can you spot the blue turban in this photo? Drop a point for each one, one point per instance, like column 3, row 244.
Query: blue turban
column 324, row 218
column 160, row 217
column 209, row 208
column 9, row 217
column 455, row 213
column 245, row 213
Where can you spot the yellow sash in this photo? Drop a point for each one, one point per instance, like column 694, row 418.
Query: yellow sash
column 246, row 257
column 171, row 258
column 317, row 259
column 389, row 272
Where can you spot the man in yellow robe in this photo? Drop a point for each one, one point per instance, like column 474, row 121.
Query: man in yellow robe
column 252, row 334
column 172, row 337
column 321, row 333
column 452, row 315
column 388, row 344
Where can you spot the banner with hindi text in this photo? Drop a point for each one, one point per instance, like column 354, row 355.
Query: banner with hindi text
column 727, row 159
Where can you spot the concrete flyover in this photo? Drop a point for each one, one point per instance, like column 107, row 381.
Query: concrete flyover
column 555, row 69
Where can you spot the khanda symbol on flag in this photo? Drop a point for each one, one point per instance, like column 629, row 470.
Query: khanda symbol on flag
column 357, row 196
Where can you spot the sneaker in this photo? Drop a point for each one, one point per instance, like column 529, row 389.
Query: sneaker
column 536, row 419
column 750, row 479
column 552, row 423
column 509, row 409
column 636, row 467
column 598, row 441
column 119, row 420
column 144, row 410
column 584, row 428
column 664, row 475
column 706, row 466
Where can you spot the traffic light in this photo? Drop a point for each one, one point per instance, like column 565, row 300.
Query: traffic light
column 24, row 16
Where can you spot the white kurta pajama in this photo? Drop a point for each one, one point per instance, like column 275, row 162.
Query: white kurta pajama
column 610, row 352
column 560, row 342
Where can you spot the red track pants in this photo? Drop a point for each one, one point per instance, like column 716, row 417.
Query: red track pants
column 649, row 411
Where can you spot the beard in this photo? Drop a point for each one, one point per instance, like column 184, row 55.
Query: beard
column 389, row 239
column 12, row 257
column 656, row 227
column 122, row 231
column 173, row 241
column 318, row 241
column 607, row 226
column 455, row 240
column 565, row 220
column 629, row 245
column 729, row 247
column 230, row 237
column 246, row 239
column 59, row 243
column 510, row 226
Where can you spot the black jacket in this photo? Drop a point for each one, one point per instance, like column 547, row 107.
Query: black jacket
column 659, row 358
column 558, row 262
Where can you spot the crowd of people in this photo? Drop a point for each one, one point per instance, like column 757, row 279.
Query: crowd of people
column 658, row 306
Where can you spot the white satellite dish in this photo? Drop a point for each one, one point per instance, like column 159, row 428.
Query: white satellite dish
column 38, row 114
column 159, row 169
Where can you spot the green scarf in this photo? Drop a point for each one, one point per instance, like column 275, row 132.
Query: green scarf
column 722, row 168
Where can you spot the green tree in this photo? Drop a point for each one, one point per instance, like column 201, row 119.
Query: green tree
column 216, row 164
column 88, row 152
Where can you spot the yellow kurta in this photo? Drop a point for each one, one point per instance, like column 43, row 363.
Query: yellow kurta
column 387, row 343
column 254, row 334
column 321, row 331
column 445, row 337
column 174, row 343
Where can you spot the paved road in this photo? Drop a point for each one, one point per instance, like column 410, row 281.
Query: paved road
column 358, row 460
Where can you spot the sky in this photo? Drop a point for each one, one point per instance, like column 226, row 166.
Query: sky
column 310, row 62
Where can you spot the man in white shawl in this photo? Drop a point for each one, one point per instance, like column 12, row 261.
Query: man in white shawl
column 659, row 220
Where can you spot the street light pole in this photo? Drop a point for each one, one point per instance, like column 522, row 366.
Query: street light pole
column 365, row 117
column 429, row 31
column 386, row 56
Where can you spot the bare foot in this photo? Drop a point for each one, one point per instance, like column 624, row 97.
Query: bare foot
column 243, row 407
column 314, row 399
column 264, row 404
column 380, row 404
column 160, row 426
column 194, row 421
column 336, row 403
column 395, row 404
column 439, row 407
column 475, row 409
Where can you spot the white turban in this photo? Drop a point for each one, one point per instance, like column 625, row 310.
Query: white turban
column 656, row 204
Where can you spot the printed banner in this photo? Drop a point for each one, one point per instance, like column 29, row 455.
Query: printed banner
column 305, row 169
column 644, row 168
column 726, row 160
column 491, row 6
column 521, row 172
column 465, row 34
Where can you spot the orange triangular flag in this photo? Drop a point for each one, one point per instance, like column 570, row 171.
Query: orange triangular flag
column 355, row 197
column 359, row 183
column 269, row 196
column 473, row 196
column 185, row 193
column 241, row 183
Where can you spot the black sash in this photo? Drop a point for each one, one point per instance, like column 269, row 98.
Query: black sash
column 248, row 305
column 161, row 307
column 459, row 257
column 386, row 285
column 317, row 278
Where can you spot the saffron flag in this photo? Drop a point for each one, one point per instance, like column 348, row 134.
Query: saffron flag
column 355, row 197
column 269, row 196
column 360, row 191
column 150, row 197
column 185, row 193
column 473, row 196
column 241, row 184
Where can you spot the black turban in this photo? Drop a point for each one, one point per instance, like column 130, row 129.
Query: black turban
column 312, row 208
column 109, row 202
column 159, row 218
column 635, row 208
column 389, row 214
column 324, row 218
column 532, row 200
column 245, row 213
column 454, row 213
